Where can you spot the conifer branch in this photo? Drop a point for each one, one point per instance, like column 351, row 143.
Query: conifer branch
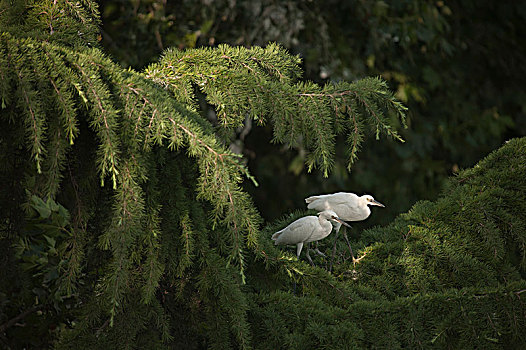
column 55, row 160
column 355, row 139
column 187, row 238
column 109, row 149
column 153, row 267
column 222, row 162
column 68, row 113
column 180, row 218
column 239, row 87
column 372, row 111
column 36, row 126
column 74, row 255
column 4, row 73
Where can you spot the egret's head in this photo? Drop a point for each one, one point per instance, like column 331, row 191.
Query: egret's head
column 369, row 200
column 331, row 215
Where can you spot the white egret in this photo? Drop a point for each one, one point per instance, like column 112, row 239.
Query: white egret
column 307, row 229
column 348, row 207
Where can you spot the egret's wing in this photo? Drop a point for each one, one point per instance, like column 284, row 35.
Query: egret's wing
column 319, row 203
column 329, row 201
column 315, row 198
column 322, row 196
column 343, row 197
column 320, row 232
column 296, row 232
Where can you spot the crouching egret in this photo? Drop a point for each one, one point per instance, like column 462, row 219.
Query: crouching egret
column 348, row 207
column 308, row 229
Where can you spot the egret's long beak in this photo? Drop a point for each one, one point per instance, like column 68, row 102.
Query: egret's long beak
column 375, row 202
column 341, row 221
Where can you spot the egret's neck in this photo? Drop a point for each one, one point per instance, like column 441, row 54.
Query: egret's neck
column 367, row 210
column 324, row 222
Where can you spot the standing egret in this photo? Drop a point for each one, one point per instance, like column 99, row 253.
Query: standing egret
column 308, row 229
column 348, row 207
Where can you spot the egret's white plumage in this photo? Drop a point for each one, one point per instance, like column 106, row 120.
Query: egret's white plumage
column 307, row 229
column 347, row 206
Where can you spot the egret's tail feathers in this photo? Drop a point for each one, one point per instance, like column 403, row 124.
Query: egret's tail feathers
column 313, row 202
column 275, row 236
column 311, row 199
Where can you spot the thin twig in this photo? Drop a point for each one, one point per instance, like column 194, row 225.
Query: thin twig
column 21, row 316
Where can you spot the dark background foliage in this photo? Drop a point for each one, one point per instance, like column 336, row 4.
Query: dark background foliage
column 455, row 64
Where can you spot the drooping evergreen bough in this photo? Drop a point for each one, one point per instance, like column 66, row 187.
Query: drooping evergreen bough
column 124, row 223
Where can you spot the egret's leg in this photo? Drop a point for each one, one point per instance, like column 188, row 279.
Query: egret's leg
column 334, row 248
column 308, row 255
column 319, row 252
column 349, row 244
column 299, row 246
column 354, row 260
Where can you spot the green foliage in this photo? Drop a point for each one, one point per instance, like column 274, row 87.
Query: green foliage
column 466, row 318
column 260, row 86
column 73, row 24
column 461, row 80
column 44, row 271
column 138, row 233
column 81, row 115
column 42, row 247
column 447, row 274
column 472, row 236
